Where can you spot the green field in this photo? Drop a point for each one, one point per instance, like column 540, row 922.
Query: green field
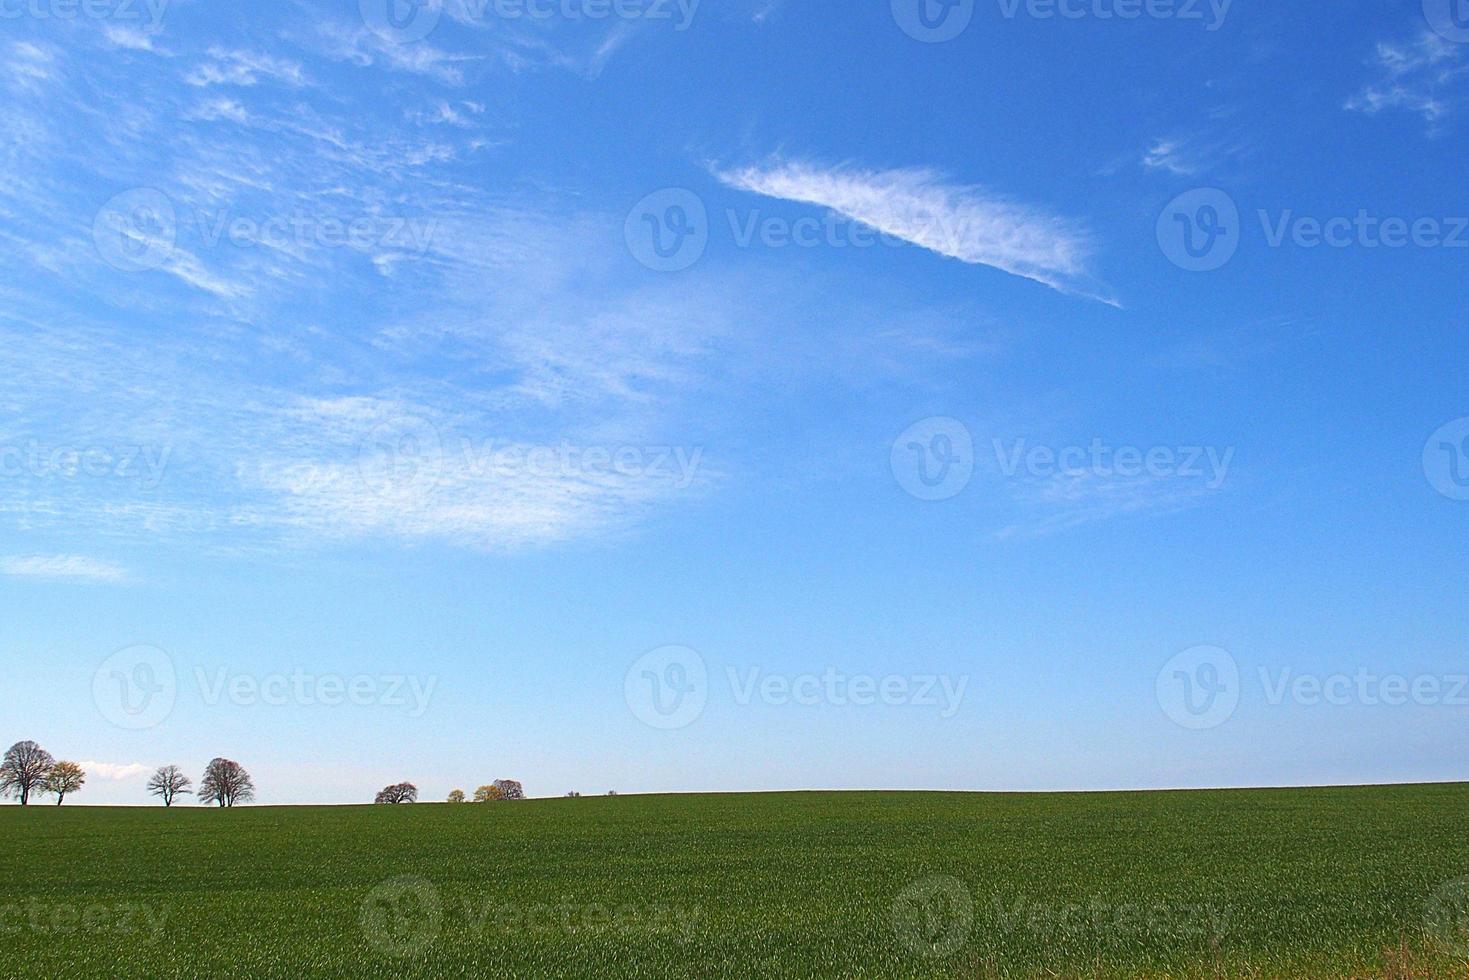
column 1334, row 882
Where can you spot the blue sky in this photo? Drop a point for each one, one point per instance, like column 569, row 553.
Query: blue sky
column 743, row 395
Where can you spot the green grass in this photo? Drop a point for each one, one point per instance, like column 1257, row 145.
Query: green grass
column 1277, row 883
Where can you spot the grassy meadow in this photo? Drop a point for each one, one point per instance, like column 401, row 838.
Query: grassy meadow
column 1271, row 883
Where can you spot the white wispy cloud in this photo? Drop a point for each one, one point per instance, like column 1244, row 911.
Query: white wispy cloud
column 1186, row 156
column 364, row 467
column 364, row 47
column 131, row 38
column 75, row 568
column 960, row 221
column 244, row 68
column 30, row 66
column 1421, row 77
column 459, row 113
column 765, row 9
column 609, row 46
column 515, row 328
column 114, row 771
column 1065, row 501
column 215, row 109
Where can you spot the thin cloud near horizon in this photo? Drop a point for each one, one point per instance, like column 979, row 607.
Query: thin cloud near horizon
column 77, row 568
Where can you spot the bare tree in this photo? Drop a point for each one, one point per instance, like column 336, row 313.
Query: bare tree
column 457, row 796
column 397, row 793
column 64, row 777
column 168, row 782
column 24, row 769
column 226, row 783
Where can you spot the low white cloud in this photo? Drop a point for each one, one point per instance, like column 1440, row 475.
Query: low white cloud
column 62, row 568
column 114, row 771
column 960, row 221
